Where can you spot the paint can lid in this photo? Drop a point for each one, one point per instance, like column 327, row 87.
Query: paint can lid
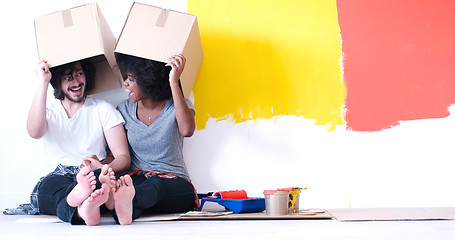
column 278, row 191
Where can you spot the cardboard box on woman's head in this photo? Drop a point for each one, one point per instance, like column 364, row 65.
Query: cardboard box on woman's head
column 79, row 33
column 154, row 33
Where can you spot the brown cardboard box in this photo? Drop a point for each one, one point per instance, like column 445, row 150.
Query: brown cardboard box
column 157, row 34
column 79, row 33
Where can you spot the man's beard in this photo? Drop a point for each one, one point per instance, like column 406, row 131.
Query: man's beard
column 76, row 100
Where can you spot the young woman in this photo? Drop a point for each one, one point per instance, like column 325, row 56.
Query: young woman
column 157, row 118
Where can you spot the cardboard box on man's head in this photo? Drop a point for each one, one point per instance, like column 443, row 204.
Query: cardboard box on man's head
column 80, row 33
column 154, row 33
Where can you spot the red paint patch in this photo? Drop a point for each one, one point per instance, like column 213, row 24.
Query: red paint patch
column 399, row 59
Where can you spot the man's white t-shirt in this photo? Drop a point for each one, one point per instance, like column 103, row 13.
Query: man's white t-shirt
column 68, row 140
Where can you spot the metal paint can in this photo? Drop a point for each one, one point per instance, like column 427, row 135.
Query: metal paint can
column 276, row 202
column 294, row 198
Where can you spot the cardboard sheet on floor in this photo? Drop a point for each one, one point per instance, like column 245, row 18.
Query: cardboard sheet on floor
column 392, row 214
column 108, row 220
column 259, row 216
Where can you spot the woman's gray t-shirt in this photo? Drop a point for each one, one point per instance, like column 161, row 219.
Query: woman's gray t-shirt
column 157, row 147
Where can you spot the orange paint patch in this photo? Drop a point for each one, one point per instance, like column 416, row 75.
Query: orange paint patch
column 398, row 61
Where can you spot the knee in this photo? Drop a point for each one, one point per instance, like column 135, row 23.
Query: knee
column 55, row 183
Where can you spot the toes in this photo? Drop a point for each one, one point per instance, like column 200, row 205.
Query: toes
column 95, row 193
column 121, row 180
column 105, row 169
column 84, row 170
column 128, row 180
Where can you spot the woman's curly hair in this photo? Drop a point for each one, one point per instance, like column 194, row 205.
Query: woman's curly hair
column 57, row 72
column 152, row 77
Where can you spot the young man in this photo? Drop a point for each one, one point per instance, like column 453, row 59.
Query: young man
column 77, row 131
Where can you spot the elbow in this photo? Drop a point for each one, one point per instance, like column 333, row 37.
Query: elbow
column 187, row 132
column 188, row 126
column 36, row 134
column 126, row 162
column 128, row 165
column 35, row 130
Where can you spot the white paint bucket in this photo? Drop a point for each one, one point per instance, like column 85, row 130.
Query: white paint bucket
column 276, row 202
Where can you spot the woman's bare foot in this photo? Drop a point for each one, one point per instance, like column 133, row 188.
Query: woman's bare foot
column 123, row 198
column 89, row 210
column 86, row 183
column 107, row 176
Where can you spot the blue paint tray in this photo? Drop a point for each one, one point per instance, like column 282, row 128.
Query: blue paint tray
column 247, row 205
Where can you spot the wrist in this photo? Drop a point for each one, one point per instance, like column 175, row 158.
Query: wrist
column 42, row 87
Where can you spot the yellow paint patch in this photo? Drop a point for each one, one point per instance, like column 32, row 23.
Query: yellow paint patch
column 269, row 58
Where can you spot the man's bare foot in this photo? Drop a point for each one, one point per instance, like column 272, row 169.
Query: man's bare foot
column 107, row 176
column 89, row 210
column 123, row 198
column 86, row 183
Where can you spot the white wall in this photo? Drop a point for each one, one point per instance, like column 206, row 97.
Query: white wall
column 409, row 165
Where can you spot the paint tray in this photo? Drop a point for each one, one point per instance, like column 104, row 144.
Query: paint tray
column 247, row 205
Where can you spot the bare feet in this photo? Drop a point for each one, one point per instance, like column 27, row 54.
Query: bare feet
column 89, row 210
column 107, row 176
column 86, row 183
column 123, row 198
